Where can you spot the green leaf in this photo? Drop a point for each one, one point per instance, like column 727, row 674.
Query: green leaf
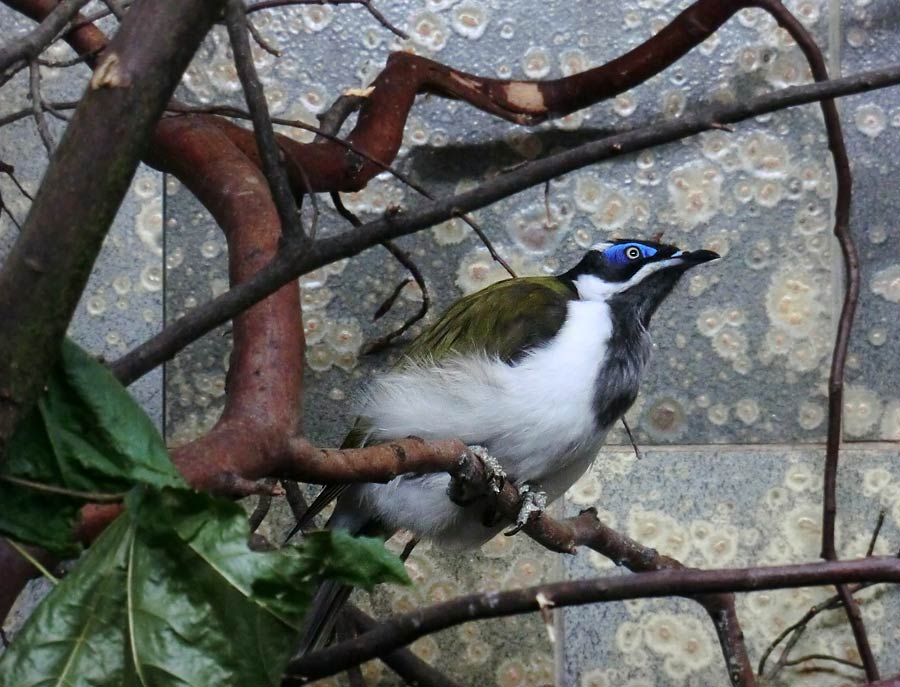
column 190, row 624
column 214, row 532
column 87, row 435
column 104, row 417
column 76, row 635
column 358, row 561
column 172, row 596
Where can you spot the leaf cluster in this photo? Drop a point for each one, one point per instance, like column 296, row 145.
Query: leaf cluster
column 170, row 594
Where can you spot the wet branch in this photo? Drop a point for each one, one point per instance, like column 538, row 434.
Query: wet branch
column 19, row 52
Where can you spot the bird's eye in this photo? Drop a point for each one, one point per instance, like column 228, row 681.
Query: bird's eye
column 633, row 252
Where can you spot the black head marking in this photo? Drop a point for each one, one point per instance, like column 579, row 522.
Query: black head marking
column 619, row 260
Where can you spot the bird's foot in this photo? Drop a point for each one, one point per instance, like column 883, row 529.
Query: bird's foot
column 496, row 475
column 469, row 483
column 533, row 505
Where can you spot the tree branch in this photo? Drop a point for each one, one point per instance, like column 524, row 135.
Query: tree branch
column 269, row 153
column 23, row 50
column 401, row 630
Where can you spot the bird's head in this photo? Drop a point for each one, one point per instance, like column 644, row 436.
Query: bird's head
column 633, row 273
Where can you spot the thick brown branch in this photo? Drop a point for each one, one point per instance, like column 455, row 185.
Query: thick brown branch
column 402, row 630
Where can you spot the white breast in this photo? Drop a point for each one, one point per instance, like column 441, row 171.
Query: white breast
column 535, row 416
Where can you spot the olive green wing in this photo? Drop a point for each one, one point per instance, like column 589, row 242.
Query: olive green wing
column 504, row 320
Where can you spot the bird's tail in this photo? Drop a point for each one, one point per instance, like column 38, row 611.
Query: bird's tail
column 331, row 596
column 323, row 614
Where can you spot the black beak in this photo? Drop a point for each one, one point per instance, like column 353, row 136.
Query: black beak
column 697, row 257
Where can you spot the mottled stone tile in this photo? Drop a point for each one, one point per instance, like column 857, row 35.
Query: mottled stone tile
column 872, row 124
column 728, row 508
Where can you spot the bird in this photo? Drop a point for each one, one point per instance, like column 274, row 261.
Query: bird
column 535, row 370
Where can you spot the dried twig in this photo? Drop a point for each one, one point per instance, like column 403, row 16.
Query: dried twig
column 370, row 8
column 90, row 496
column 845, row 324
column 37, row 107
column 403, row 258
column 261, row 41
column 262, row 125
column 824, row 657
column 15, row 54
column 796, row 630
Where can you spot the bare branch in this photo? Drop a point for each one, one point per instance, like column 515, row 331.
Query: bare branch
column 41, row 281
column 401, row 630
column 378, row 16
column 262, row 125
column 25, row 49
column 37, row 107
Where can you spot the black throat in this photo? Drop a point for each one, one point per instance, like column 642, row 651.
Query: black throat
column 628, row 350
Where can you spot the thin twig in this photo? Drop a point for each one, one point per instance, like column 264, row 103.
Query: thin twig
column 24, row 49
column 378, row 16
column 260, row 41
column 90, row 496
column 637, row 451
column 295, row 498
column 323, row 132
column 874, row 540
column 37, row 110
column 824, row 657
column 267, row 146
column 816, row 61
column 412, row 669
column 388, row 302
column 5, row 208
column 383, row 341
column 10, row 171
column 63, row 64
column 263, row 504
column 403, row 258
column 797, row 629
column 27, row 111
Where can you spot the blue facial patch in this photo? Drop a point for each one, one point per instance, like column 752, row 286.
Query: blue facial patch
column 623, row 253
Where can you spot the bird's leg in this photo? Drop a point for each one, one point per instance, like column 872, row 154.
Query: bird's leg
column 533, row 504
column 469, row 483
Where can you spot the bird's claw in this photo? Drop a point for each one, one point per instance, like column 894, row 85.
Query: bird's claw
column 533, row 505
column 469, row 483
column 496, row 475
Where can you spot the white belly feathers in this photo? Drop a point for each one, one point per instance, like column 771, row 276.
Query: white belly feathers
column 537, row 417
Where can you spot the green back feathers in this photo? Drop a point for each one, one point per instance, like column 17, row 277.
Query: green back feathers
column 503, row 320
